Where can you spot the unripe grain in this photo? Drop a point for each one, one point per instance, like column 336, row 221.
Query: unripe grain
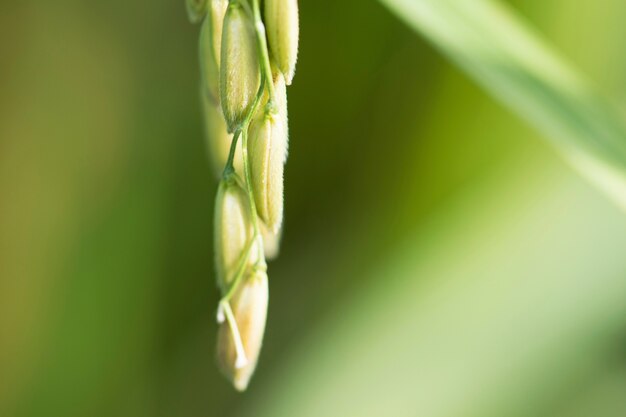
column 210, row 46
column 218, row 138
column 233, row 229
column 271, row 241
column 196, row 9
column 249, row 306
column 268, row 152
column 281, row 22
column 240, row 76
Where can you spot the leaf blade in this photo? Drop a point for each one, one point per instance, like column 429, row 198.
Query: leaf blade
column 511, row 62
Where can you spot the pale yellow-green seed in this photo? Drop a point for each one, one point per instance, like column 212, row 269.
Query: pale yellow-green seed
column 283, row 31
column 271, row 241
column 233, row 230
column 249, row 306
column 196, row 9
column 240, row 75
column 267, row 149
column 210, row 47
column 216, row 13
column 218, row 138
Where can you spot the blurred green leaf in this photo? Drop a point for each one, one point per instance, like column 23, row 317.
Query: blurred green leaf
column 492, row 309
column 498, row 50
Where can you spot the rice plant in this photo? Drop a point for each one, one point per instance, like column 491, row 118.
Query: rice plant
column 249, row 79
column 450, row 243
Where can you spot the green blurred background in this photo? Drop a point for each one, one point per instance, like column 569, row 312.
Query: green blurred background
column 439, row 257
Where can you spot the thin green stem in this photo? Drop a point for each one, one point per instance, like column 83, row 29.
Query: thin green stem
column 229, row 169
column 264, row 56
column 255, row 104
column 241, row 269
column 246, row 158
column 248, row 177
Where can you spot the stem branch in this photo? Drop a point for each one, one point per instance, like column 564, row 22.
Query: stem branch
column 264, row 56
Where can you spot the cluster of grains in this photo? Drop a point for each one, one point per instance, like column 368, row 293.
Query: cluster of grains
column 248, row 52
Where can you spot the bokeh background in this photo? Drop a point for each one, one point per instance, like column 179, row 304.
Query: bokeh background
column 439, row 257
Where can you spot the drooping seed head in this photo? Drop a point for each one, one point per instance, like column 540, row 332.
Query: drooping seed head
column 233, row 229
column 218, row 138
column 196, row 9
column 268, row 152
column 210, row 46
column 240, row 75
column 249, row 306
column 281, row 22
